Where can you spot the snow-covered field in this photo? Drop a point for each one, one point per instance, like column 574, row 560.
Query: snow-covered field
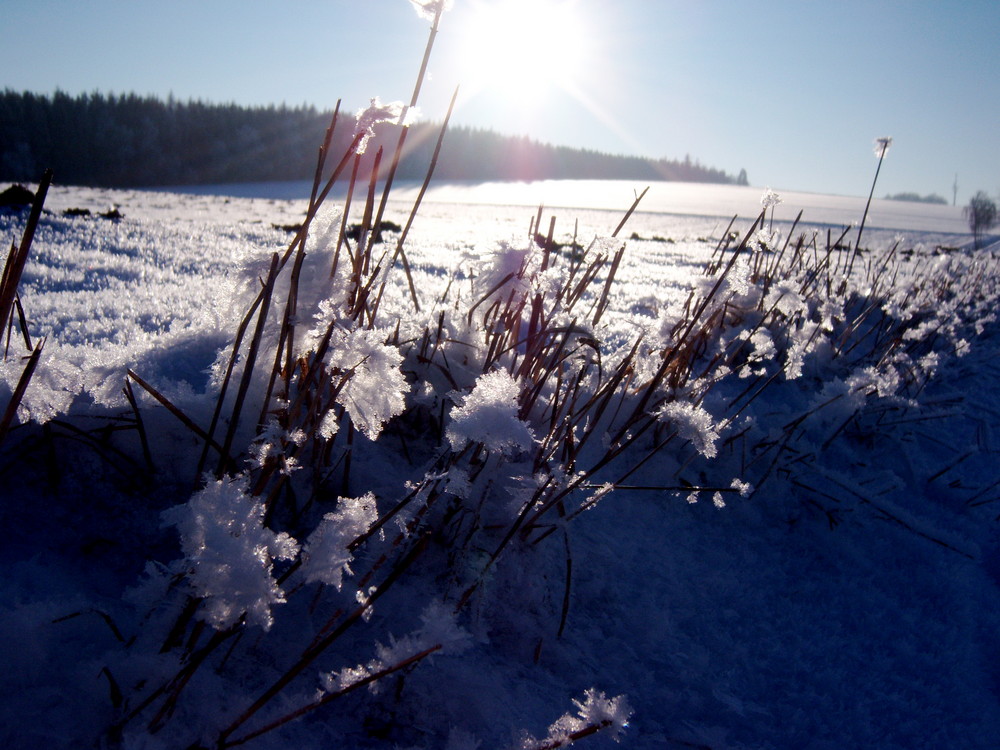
column 801, row 549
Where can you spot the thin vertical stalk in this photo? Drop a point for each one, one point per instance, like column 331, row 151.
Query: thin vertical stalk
column 19, row 389
column 251, row 360
column 416, row 206
column 17, row 259
column 631, row 210
column 884, row 143
column 399, row 147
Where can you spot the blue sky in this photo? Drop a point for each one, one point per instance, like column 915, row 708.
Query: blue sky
column 794, row 92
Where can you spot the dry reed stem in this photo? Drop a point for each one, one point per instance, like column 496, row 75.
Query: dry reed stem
column 19, row 389
column 416, row 205
column 328, row 697
column 631, row 210
column 140, row 426
column 312, row 652
column 184, row 418
column 251, row 360
column 10, row 301
column 399, row 148
column 16, row 261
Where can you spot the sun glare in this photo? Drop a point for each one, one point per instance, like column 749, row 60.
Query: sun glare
column 520, row 50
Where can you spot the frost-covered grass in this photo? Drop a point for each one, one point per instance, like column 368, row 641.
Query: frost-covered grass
column 711, row 486
column 459, row 492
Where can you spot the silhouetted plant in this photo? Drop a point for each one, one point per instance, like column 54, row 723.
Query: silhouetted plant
column 982, row 215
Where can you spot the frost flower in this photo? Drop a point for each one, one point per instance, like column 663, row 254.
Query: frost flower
column 882, row 146
column 785, row 298
column 488, row 415
column 326, row 557
column 871, row 380
column 375, row 389
column 377, row 112
column 429, row 9
column 228, row 553
column 693, row 423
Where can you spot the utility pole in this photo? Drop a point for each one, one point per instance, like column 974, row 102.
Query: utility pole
column 954, row 191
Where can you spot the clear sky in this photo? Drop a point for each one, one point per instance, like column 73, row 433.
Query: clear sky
column 795, row 92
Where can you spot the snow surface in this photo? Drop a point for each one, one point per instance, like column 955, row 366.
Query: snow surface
column 671, row 198
column 855, row 604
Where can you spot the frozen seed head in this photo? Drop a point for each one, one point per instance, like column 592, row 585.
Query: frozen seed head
column 882, row 146
column 769, row 199
column 428, row 9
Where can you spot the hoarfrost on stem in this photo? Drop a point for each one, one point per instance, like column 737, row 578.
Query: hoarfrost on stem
column 325, row 557
column 882, row 145
column 374, row 389
column 693, row 423
column 377, row 112
column 769, row 199
column 508, row 271
column 271, row 444
column 763, row 239
column 744, row 488
column 763, row 345
column 784, row 297
column 594, row 712
column 229, row 554
column 439, row 630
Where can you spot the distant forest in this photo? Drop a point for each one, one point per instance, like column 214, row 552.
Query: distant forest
column 135, row 141
column 917, row 198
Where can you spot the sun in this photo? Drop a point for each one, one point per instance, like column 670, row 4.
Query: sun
column 521, row 50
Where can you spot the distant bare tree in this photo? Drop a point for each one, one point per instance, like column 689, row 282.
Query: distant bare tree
column 982, row 215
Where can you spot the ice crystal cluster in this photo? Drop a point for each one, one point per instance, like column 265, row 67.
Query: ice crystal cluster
column 429, row 9
column 489, row 415
column 229, row 554
column 595, row 713
column 367, row 373
column 326, row 557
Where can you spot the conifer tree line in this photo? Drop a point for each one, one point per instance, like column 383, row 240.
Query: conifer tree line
column 127, row 140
